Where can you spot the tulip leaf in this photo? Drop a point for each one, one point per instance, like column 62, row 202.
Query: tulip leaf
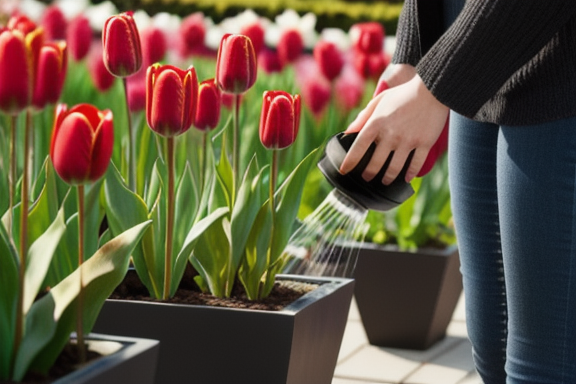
column 53, row 317
column 225, row 176
column 8, row 290
column 39, row 258
column 201, row 260
column 186, row 206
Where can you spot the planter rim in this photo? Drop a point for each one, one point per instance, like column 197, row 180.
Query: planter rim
column 447, row 250
column 326, row 285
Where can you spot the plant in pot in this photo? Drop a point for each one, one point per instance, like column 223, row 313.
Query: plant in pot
column 228, row 224
column 41, row 304
column 407, row 274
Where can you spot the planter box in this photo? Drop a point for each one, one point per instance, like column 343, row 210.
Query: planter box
column 405, row 299
column 131, row 360
column 203, row 344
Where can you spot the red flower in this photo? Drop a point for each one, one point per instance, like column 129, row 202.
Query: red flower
column 121, row 41
column 371, row 65
column 236, row 64
column 269, row 61
column 153, row 45
column 329, row 59
column 316, row 95
column 192, row 34
column 208, row 109
column 171, row 98
column 136, row 91
column 280, row 119
column 79, row 36
column 255, row 32
column 54, row 23
column 290, row 46
column 82, row 142
column 349, row 89
column 20, row 45
column 51, row 74
column 367, row 37
column 100, row 75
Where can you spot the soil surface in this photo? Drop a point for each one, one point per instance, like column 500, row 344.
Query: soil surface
column 283, row 293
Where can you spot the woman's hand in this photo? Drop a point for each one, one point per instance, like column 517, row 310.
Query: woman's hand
column 401, row 119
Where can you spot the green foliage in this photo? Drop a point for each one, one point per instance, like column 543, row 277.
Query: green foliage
column 424, row 220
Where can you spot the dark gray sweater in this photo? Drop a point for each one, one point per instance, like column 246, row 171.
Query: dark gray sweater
column 510, row 62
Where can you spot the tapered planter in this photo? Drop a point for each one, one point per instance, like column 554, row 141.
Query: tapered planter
column 203, row 344
column 123, row 360
column 405, row 299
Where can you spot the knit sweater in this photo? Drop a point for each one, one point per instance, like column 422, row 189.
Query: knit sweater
column 510, row 62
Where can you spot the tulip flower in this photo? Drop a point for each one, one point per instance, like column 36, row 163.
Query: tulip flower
column 82, row 141
column 121, row 41
column 51, row 74
column 290, row 46
column 329, row 59
column 208, row 109
column 236, row 64
column 371, row 65
column 280, row 119
column 79, row 37
column 316, row 94
column 255, row 31
column 171, row 97
column 367, row 37
column 136, row 87
column 101, row 77
column 54, row 23
column 192, row 34
column 153, row 45
column 269, row 61
column 349, row 89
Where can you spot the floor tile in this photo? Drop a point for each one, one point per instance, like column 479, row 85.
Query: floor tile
column 353, row 340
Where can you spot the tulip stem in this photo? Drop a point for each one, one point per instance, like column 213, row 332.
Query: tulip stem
column 23, row 237
column 131, row 150
column 79, row 309
column 204, row 160
column 169, row 219
column 13, row 175
column 236, row 145
column 272, row 199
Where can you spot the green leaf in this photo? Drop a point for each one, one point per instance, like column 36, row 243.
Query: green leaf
column 52, row 318
column 38, row 260
column 224, row 196
column 8, row 296
column 186, row 205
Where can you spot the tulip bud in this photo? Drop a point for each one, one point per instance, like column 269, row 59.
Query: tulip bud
column 101, row 77
column 79, row 36
column 153, row 45
column 171, row 98
column 329, row 59
column 349, row 89
column 367, row 37
column 121, row 41
column 54, row 23
column 255, row 32
column 371, row 65
column 192, row 34
column 82, row 142
column 290, row 46
column 208, row 109
column 269, row 61
column 280, row 119
column 236, row 64
column 316, row 95
column 51, row 74
column 136, row 92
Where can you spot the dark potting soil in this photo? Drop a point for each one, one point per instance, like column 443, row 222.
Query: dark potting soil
column 283, row 293
column 67, row 362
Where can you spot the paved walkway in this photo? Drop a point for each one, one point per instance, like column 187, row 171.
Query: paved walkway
column 447, row 362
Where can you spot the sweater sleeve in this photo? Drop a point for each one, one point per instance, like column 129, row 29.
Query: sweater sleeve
column 489, row 41
column 419, row 27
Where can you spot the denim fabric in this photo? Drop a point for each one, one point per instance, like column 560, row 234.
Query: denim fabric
column 514, row 203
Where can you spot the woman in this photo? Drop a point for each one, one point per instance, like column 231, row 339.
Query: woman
column 507, row 71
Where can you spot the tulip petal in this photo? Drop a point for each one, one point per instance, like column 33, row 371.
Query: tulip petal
column 15, row 73
column 72, row 148
column 102, row 147
column 167, row 104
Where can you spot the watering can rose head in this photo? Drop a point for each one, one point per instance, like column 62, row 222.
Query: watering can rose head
column 82, row 142
column 236, row 64
column 171, row 98
column 122, row 47
column 280, row 119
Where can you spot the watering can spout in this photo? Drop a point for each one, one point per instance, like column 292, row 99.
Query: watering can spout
column 372, row 195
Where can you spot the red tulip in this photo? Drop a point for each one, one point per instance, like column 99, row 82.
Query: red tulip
column 136, row 91
column 121, row 41
column 54, row 23
column 269, row 61
column 192, row 34
column 153, row 45
column 209, row 101
column 316, row 95
column 368, row 37
column 371, row 65
column 255, row 32
column 51, row 74
column 290, row 46
column 82, row 142
column 280, row 119
column 236, row 64
column 79, row 36
column 101, row 77
column 329, row 59
column 171, row 98
column 19, row 50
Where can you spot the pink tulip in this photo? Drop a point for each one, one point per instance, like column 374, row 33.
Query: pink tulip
column 79, row 37
column 101, row 77
column 269, row 61
column 153, row 46
column 54, row 23
column 192, row 34
column 290, row 46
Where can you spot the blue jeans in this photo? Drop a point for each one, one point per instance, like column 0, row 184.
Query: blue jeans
column 514, row 203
